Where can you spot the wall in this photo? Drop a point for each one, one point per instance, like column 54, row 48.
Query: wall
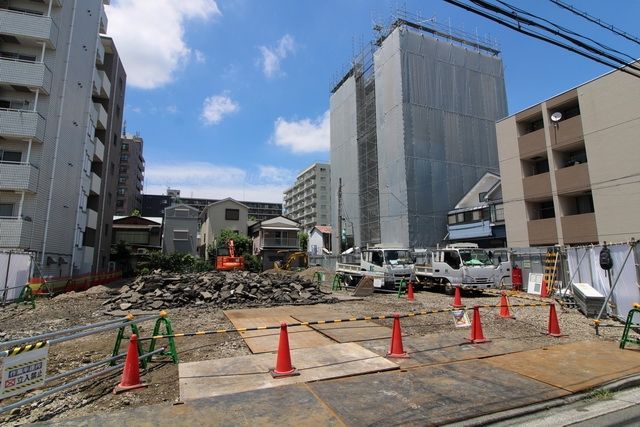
column 174, row 222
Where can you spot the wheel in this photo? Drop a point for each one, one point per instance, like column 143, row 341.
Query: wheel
column 449, row 289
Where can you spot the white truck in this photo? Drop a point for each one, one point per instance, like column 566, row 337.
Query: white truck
column 392, row 264
column 460, row 264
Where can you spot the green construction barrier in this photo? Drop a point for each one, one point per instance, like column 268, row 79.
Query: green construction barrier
column 163, row 320
column 627, row 328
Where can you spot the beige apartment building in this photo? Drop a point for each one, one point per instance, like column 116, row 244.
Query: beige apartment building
column 570, row 166
column 308, row 201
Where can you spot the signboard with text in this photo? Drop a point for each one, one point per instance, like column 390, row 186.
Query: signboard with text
column 23, row 371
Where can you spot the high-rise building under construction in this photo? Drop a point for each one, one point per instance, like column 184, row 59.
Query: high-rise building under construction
column 412, row 130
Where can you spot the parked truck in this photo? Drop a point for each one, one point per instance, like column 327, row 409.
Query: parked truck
column 394, row 263
column 461, row 264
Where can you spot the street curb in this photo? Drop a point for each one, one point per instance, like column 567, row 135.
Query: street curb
column 484, row 420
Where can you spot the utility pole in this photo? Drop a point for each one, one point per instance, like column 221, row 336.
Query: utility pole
column 339, row 216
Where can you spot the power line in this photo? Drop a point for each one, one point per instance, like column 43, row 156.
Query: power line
column 595, row 20
column 517, row 27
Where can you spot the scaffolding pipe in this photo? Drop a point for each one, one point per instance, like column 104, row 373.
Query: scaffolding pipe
column 64, row 374
column 120, row 323
column 70, row 384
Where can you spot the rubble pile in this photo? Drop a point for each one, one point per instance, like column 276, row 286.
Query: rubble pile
column 218, row 288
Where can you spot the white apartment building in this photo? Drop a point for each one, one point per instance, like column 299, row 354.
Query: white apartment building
column 54, row 97
column 308, row 201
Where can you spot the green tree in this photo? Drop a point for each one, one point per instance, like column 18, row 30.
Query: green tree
column 135, row 212
column 242, row 244
column 303, row 239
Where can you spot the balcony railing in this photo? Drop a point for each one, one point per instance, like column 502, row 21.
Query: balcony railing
column 100, row 116
column 282, row 242
column 95, row 184
column 100, row 53
column 92, row 218
column 537, row 187
column 15, row 232
column 98, row 154
column 17, row 72
column 532, row 144
column 16, row 176
column 542, row 231
column 29, row 27
column 568, row 133
column 21, row 124
column 573, row 179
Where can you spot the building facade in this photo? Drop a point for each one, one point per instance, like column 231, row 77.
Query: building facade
column 130, row 175
column 180, row 230
column 227, row 214
column 274, row 239
column 412, row 130
column 308, row 201
column 569, row 166
column 55, row 115
column 154, row 204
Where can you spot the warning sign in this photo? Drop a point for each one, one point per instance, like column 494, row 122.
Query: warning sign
column 23, row 370
column 460, row 319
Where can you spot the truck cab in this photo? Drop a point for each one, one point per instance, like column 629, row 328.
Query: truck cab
column 395, row 263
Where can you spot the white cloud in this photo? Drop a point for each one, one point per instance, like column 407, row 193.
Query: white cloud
column 199, row 56
column 276, row 174
column 303, row 136
column 150, row 39
column 208, row 180
column 271, row 57
column 214, row 108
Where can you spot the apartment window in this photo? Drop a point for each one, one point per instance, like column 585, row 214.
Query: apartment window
column 112, row 168
column 14, row 104
column 541, row 166
column 124, row 157
column 125, row 146
column 10, row 156
column 451, row 219
column 232, row 214
column 181, row 212
column 180, row 234
column 123, row 168
column 18, row 56
column 122, row 179
column 122, row 191
column 106, row 229
column 6, row 209
column 499, row 212
column 119, row 203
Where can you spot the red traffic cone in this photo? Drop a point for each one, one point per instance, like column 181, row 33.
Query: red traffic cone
column 410, row 292
column 131, row 373
column 396, row 350
column 544, row 292
column 554, row 327
column 283, row 357
column 457, row 301
column 476, row 327
column 504, row 306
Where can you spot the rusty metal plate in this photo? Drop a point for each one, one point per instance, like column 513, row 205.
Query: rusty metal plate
column 237, row 374
column 574, row 367
column 293, row 405
column 430, row 395
column 267, row 341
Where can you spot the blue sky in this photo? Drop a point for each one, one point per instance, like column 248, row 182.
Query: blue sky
column 231, row 97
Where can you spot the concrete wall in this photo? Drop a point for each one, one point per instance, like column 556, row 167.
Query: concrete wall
column 180, row 217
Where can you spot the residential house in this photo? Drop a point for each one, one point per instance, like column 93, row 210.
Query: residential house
column 227, row 214
column 319, row 240
column 180, row 232
column 274, row 238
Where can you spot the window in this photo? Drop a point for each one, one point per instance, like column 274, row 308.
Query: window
column 122, row 191
column 123, row 168
column 10, row 156
column 18, row 56
column 232, row 214
column 477, row 215
column 125, row 146
column 181, row 212
column 112, row 168
column 6, row 209
column 482, row 196
column 122, row 179
column 124, row 157
column 451, row 219
column 180, row 234
column 499, row 212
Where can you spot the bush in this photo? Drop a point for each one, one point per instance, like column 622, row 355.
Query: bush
column 252, row 263
column 174, row 263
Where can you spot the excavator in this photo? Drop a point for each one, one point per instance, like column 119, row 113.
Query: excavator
column 290, row 260
column 226, row 259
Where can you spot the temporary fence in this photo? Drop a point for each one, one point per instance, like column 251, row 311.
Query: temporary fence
column 15, row 269
column 25, row 359
column 57, row 285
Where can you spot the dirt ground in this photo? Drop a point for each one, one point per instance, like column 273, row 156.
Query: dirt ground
column 75, row 309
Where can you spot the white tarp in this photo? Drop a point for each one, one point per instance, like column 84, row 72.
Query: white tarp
column 626, row 292
column 14, row 274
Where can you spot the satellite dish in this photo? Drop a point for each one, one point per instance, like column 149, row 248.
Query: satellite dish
column 556, row 117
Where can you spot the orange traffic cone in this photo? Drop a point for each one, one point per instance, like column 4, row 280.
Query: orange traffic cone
column 396, row 350
column 410, row 297
column 476, row 327
column 457, row 301
column 504, row 306
column 554, row 327
column 131, row 373
column 283, row 357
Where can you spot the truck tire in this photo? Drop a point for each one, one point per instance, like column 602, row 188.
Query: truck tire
column 449, row 289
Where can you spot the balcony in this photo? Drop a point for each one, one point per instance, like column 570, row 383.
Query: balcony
column 100, row 53
column 98, row 154
column 568, row 134
column 542, row 232
column 15, row 232
column 92, row 218
column 18, row 177
column 537, row 187
column 29, row 29
column 33, row 75
column 101, row 84
column 95, row 184
column 532, row 144
column 21, row 124
column 573, row 179
column 280, row 242
column 579, row 228
column 100, row 116
column 104, row 21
